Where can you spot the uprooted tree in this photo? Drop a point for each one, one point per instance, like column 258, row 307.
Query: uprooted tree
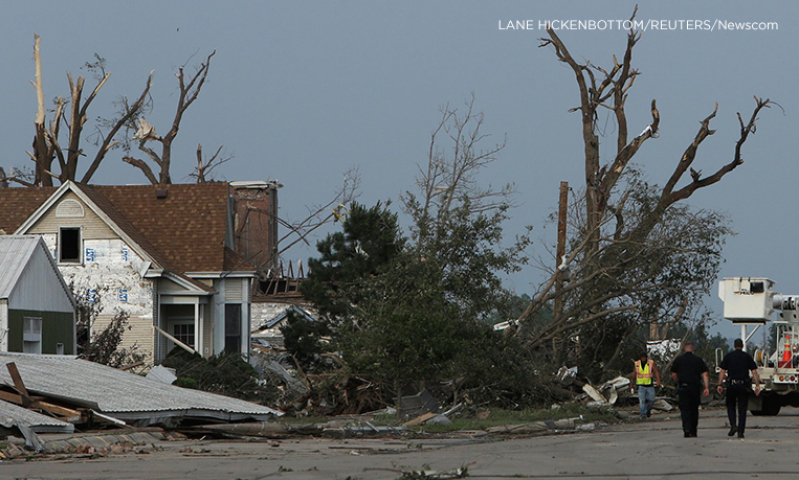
column 61, row 143
column 637, row 255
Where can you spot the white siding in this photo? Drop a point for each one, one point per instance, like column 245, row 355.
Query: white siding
column 219, row 317
column 112, row 271
column 140, row 334
column 94, row 227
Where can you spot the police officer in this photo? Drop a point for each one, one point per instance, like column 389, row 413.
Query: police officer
column 691, row 374
column 737, row 364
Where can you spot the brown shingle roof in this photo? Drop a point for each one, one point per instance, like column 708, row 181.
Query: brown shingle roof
column 17, row 204
column 187, row 227
column 185, row 230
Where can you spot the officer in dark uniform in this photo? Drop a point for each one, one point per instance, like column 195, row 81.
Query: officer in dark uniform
column 737, row 364
column 691, row 374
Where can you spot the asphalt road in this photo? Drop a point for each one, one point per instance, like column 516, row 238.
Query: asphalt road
column 653, row 449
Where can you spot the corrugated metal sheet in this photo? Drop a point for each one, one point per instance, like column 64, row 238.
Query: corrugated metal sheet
column 12, row 414
column 15, row 252
column 29, row 278
column 121, row 394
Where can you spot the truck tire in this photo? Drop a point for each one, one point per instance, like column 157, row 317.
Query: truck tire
column 770, row 407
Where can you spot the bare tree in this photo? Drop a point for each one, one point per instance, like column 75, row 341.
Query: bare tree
column 455, row 157
column 23, row 178
column 626, row 232
column 608, row 89
column 47, row 147
column 189, row 89
column 321, row 214
column 203, row 171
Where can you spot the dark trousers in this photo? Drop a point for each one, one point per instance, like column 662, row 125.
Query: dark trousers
column 690, row 395
column 737, row 394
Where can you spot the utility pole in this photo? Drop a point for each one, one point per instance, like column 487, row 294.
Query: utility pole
column 560, row 251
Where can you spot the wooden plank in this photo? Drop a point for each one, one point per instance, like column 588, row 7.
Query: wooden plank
column 174, row 340
column 420, row 420
column 52, row 408
column 19, row 384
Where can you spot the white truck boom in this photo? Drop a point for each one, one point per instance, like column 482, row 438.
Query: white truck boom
column 750, row 302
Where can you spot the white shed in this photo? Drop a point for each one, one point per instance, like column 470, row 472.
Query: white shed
column 37, row 310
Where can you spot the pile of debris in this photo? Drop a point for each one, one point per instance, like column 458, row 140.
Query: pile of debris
column 57, row 393
column 615, row 392
column 329, row 391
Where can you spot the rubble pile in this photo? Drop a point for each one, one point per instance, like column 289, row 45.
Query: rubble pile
column 613, row 393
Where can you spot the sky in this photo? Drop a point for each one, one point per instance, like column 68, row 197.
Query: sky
column 301, row 92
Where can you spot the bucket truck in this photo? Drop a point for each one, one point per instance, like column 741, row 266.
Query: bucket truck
column 750, row 302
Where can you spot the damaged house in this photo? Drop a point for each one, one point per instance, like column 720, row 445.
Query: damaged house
column 37, row 311
column 180, row 260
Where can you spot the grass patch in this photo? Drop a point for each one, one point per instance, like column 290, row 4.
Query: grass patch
column 495, row 418
column 498, row 418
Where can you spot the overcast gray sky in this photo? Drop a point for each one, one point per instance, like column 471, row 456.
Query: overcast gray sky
column 302, row 91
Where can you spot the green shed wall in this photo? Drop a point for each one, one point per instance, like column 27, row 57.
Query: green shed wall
column 57, row 327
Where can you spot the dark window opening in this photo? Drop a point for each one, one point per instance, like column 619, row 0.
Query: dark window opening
column 233, row 328
column 69, row 245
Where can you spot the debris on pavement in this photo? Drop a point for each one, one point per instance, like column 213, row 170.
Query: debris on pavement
column 537, row 427
column 662, row 405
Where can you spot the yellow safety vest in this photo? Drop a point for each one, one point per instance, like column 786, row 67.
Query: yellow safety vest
column 644, row 376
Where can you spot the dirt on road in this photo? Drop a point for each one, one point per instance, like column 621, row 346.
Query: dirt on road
column 649, row 449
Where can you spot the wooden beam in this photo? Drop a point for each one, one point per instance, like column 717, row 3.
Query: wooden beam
column 174, row 340
column 70, row 414
column 18, row 384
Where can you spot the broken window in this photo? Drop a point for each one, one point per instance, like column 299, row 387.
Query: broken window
column 232, row 328
column 69, row 245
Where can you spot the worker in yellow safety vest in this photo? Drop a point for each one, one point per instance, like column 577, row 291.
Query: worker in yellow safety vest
column 646, row 377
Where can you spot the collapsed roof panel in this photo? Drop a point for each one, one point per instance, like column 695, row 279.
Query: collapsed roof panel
column 122, row 394
column 11, row 414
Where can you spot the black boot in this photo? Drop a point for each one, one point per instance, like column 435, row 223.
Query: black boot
column 733, row 431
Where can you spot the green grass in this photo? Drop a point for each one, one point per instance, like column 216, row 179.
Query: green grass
column 498, row 418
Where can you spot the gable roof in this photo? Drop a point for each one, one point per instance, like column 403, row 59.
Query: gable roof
column 182, row 228
column 188, row 227
column 16, row 252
